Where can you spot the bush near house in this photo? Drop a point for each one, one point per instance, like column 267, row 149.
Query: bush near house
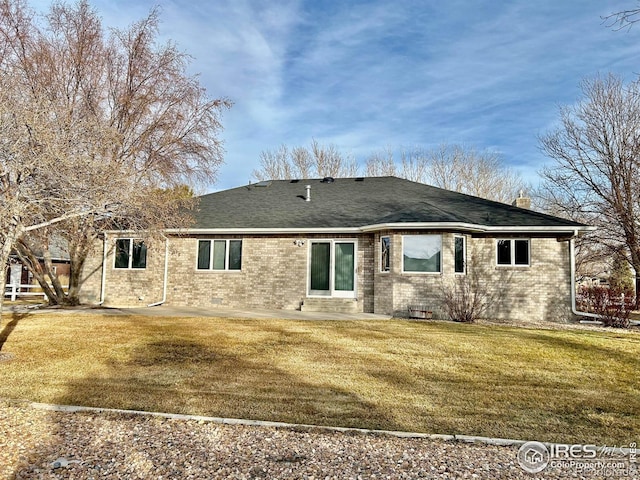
column 464, row 299
column 613, row 305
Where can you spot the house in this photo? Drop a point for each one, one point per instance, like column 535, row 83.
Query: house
column 375, row 244
column 19, row 274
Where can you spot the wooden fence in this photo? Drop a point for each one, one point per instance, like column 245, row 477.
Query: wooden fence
column 24, row 290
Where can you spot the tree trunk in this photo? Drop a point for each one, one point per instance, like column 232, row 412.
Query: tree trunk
column 42, row 268
column 12, row 233
column 4, row 260
column 78, row 256
column 37, row 269
column 635, row 264
column 53, row 276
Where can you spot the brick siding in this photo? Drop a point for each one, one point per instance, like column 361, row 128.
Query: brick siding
column 274, row 275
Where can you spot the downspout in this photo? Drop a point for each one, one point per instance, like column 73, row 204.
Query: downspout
column 104, row 269
column 574, row 309
column 166, row 274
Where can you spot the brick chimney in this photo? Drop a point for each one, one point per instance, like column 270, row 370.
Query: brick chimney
column 522, row 201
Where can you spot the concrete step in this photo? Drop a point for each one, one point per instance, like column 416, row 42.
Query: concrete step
column 331, row 305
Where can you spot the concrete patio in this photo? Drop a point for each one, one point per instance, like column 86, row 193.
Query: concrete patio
column 173, row 311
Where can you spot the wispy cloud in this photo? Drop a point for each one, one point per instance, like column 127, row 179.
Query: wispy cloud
column 365, row 75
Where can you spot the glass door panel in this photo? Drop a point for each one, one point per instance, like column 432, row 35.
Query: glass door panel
column 320, row 267
column 344, row 266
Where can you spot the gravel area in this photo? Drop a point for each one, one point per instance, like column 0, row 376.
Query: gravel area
column 122, row 446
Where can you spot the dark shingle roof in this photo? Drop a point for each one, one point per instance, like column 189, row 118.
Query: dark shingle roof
column 358, row 202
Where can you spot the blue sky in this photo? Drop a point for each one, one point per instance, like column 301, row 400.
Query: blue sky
column 371, row 75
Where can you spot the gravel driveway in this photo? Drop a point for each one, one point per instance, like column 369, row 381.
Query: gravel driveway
column 120, row 446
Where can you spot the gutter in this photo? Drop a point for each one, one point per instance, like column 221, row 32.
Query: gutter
column 166, row 274
column 469, row 227
column 104, row 269
column 574, row 309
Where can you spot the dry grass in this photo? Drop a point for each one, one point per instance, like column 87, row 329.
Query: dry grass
column 552, row 385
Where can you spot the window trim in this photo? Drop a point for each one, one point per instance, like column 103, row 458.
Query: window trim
column 412, row 272
column 381, row 265
column 132, row 241
column 332, row 292
column 464, row 254
column 227, row 253
column 512, row 241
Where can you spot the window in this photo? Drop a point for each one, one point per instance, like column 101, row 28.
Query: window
column 219, row 255
column 130, row 253
column 332, row 268
column 422, row 253
column 385, row 254
column 459, row 254
column 513, row 252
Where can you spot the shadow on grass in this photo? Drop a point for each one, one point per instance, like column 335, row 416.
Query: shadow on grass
column 589, row 347
column 438, row 378
column 179, row 375
column 10, row 327
column 183, row 376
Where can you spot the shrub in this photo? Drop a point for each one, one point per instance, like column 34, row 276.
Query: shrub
column 611, row 305
column 464, row 299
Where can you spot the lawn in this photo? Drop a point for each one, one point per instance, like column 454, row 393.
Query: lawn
column 437, row 377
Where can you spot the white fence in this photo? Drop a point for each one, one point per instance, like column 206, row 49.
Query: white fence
column 23, row 290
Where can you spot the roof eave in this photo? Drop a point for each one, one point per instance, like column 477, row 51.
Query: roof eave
column 467, row 227
column 476, row 228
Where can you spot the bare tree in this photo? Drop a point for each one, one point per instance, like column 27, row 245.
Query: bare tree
column 19, row 198
column 453, row 167
column 623, row 18
column 124, row 122
column 414, row 165
column 37, row 188
column 276, row 164
column 596, row 174
column 300, row 162
column 479, row 173
column 32, row 195
column 381, row 164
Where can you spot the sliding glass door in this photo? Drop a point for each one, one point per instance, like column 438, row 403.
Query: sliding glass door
column 332, row 268
column 320, row 267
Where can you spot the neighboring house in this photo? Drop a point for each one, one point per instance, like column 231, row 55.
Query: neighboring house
column 18, row 274
column 374, row 244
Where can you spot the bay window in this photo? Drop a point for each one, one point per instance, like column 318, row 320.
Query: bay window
column 422, row 253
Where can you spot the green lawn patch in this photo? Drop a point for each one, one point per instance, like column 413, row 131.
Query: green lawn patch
column 438, row 377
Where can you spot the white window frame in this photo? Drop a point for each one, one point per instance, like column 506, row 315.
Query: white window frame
column 129, row 266
column 226, row 254
column 464, row 254
column 512, row 263
column 411, row 272
column 332, row 292
column 380, row 265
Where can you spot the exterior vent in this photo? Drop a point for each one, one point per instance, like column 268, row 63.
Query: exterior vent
column 328, row 180
column 360, row 179
column 294, row 181
column 264, row 183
